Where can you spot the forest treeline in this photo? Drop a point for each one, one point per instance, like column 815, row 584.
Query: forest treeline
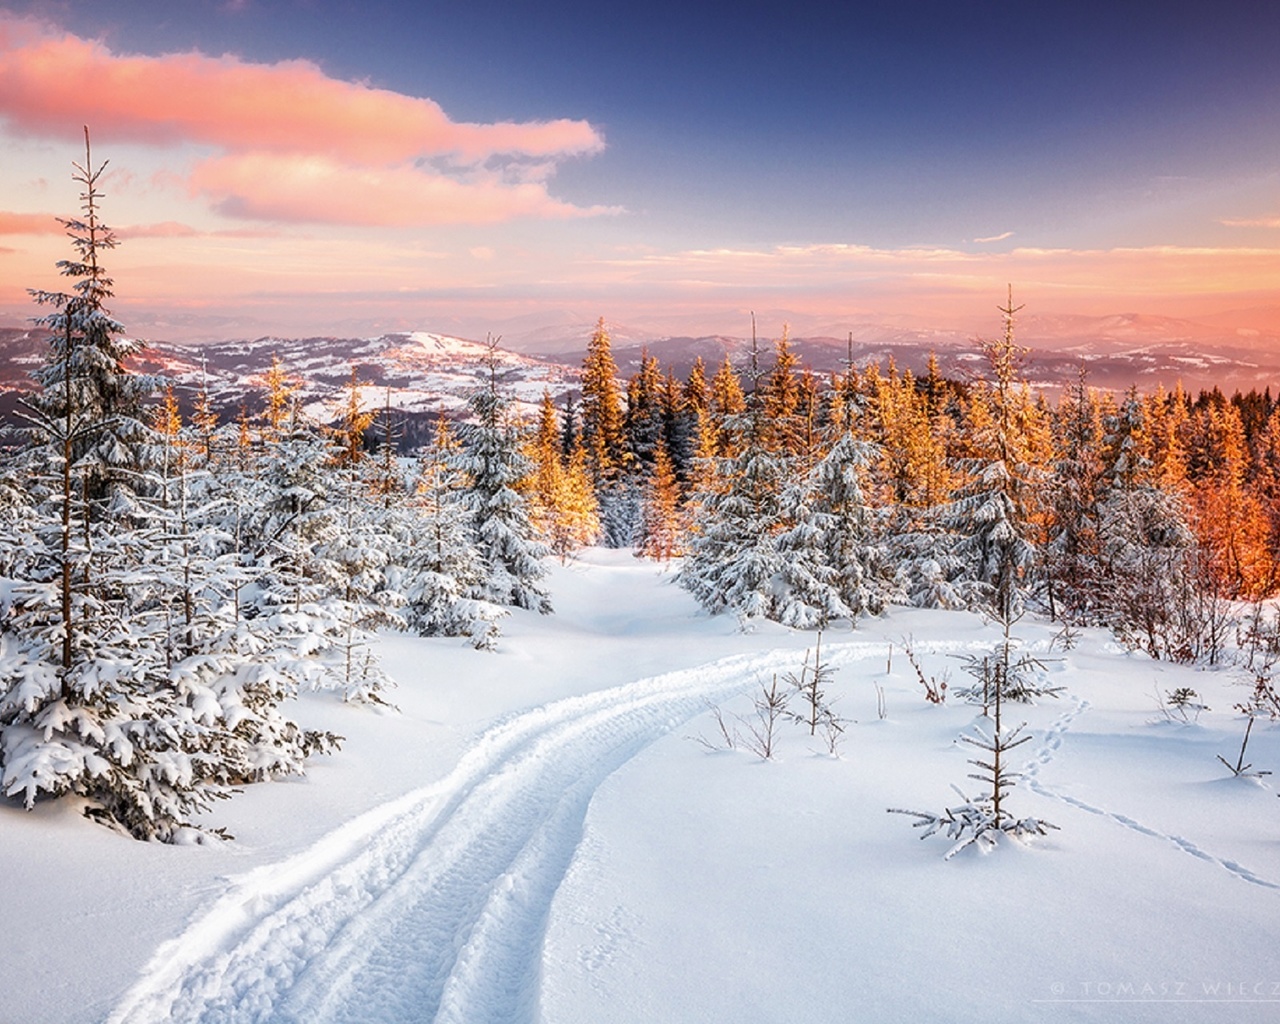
column 805, row 499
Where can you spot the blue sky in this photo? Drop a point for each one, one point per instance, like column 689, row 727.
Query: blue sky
column 865, row 156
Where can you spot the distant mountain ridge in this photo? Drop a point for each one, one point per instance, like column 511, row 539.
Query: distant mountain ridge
column 420, row 374
column 425, row 374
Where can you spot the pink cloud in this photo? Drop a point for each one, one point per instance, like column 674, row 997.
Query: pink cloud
column 1258, row 222
column 29, row 224
column 52, row 82
column 313, row 189
column 176, row 229
column 166, row 229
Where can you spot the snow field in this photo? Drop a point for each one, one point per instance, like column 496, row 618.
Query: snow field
column 535, row 836
column 799, row 899
column 432, row 907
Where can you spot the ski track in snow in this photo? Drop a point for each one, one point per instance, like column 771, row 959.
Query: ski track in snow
column 433, row 907
column 1045, row 754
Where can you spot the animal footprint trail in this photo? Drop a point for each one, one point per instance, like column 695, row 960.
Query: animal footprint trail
column 1044, row 755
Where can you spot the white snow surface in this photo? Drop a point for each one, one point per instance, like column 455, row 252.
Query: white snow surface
column 538, row 835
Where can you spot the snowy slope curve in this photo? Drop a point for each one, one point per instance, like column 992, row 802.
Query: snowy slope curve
column 433, row 906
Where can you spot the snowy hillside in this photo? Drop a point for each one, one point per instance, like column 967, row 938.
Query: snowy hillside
column 420, row 373
column 541, row 834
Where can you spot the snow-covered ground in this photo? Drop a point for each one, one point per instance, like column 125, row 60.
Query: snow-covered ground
column 538, row 834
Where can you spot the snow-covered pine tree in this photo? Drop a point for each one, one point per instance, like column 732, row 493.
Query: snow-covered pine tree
column 493, row 464
column 226, row 669
column 679, row 426
column 356, row 558
column 17, row 517
column 1147, row 556
column 662, row 530
column 994, row 518
column 319, row 593
column 438, row 567
column 84, row 384
column 86, row 706
column 1071, row 553
column 644, row 417
column 847, row 530
column 780, row 389
column 733, row 560
column 737, row 560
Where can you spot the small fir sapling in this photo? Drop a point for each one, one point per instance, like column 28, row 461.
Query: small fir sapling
column 770, row 710
column 1240, row 769
column 1066, row 638
column 1264, row 700
column 981, row 821
column 811, row 685
column 773, row 706
column 1018, row 678
column 1184, row 703
column 729, row 737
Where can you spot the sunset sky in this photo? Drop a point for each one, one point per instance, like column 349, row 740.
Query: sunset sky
column 348, row 165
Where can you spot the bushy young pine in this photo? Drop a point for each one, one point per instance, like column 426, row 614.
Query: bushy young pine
column 662, row 530
column 493, row 464
column 317, row 591
column 1070, row 556
column 438, row 567
column 756, row 549
column 993, row 517
column 231, row 671
column 87, row 703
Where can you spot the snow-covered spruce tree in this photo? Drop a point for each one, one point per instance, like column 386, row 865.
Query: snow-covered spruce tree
column 437, row 566
column 735, row 561
column 84, row 384
column 17, row 516
column 229, row 672
column 807, row 582
column 644, row 421
column 318, row 595
column 356, row 558
column 86, row 707
column 1147, row 564
column 492, row 463
column 844, row 529
column 620, row 510
column 913, row 478
column 993, row 520
column 1070, row 555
